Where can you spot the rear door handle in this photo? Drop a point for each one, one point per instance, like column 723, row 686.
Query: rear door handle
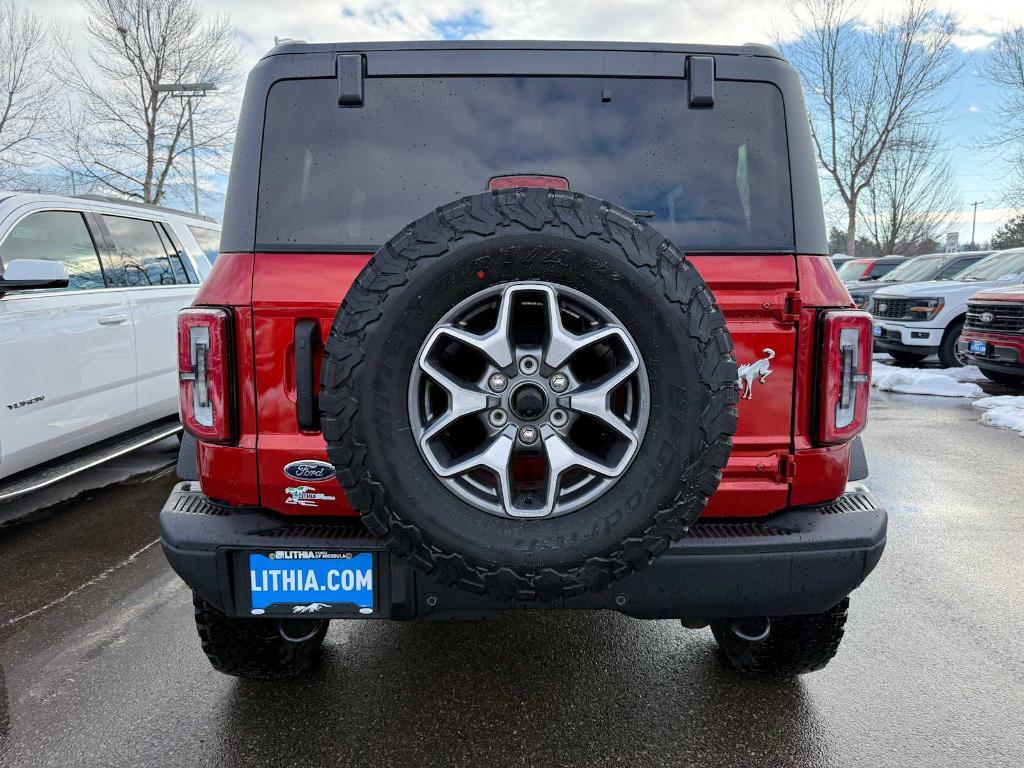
column 113, row 319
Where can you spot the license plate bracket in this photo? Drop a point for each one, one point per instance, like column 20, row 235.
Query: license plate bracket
column 307, row 583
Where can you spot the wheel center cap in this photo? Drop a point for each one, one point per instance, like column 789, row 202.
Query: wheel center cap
column 528, row 401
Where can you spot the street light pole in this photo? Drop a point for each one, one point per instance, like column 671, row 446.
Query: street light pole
column 192, row 149
column 188, row 91
column 974, row 221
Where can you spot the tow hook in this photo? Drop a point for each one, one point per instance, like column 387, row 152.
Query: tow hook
column 753, row 630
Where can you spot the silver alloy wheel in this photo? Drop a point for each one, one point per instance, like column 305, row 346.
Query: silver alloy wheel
column 570, row 335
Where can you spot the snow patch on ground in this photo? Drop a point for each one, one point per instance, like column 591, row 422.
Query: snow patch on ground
column 1004, row 411
column 941, row 382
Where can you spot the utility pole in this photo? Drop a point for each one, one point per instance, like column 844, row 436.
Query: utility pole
column 189, row 91
column 974, row 221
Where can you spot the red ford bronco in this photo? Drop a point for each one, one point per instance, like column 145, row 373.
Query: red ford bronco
column 522, row 325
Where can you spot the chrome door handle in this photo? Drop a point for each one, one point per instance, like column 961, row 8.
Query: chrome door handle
column 113, row 319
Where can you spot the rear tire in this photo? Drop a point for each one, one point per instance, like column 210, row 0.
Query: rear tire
column 255, row 648
column 1001, row 377
column 947, row 349
column 795, row 645
column 907, row 358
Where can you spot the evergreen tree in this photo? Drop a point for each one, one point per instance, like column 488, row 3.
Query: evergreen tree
column 1011, row 234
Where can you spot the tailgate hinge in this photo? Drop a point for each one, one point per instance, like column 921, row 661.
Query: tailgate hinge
column 351, row 69
column 794, row 304
column 787, row 468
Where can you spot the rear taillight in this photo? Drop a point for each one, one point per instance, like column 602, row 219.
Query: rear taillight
column 204, row 373
column 844, row 376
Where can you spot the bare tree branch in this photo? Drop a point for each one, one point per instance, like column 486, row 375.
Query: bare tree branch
column 867, row 84
column 124, row 135
column 1004, row 67
column 27, row 90
column 912, row 198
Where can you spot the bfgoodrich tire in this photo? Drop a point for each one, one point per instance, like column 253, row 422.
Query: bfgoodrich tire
column 562, row 241
column 257, row 648
column 795, row 645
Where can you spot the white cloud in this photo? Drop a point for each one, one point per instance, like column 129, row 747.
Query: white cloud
column 697, row 21
column 974, row 108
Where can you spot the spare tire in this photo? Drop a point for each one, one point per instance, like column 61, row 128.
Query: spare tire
column 529, row 394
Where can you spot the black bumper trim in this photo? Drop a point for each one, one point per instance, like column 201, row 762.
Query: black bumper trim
column 801, row 560
column 888, row 345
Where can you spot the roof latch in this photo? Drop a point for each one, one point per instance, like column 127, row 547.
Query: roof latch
column 700, row 77
column 351, row 70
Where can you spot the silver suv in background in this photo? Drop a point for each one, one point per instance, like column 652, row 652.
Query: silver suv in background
column 90, row 289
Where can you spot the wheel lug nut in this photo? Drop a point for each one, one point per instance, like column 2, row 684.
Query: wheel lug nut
column 558, row 417
column 559, row 382
column 528, row 435
column 497, row 382
column 497, row 417
column 528, row 365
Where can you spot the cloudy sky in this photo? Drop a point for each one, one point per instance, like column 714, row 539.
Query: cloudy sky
column 698, row 21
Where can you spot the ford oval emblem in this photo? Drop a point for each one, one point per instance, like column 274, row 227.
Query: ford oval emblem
column 309, row 471
column 987, row 317
column 882, row 307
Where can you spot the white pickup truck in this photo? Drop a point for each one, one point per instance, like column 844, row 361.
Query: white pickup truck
column 89, row 292
column 914, row 320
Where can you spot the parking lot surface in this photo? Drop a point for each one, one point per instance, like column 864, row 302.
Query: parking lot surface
column 100, row 665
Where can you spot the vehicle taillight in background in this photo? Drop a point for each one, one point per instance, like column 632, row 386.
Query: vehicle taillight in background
column 204, row 373
column 845, row 376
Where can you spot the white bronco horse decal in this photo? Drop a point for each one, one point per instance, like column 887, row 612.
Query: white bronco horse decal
column 759, row 369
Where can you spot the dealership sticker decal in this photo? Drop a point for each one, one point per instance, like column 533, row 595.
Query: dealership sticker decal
column 305, row 496
column 309, row 471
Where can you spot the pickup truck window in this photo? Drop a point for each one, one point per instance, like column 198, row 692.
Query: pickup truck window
column 711, row 179
column 141, row 256
column 56, row 236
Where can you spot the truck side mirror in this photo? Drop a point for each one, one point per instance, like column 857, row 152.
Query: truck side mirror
column 32, row 274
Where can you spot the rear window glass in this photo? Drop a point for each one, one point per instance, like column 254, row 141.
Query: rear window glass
column 711, row 179
column 141, row 256
column 209, row 241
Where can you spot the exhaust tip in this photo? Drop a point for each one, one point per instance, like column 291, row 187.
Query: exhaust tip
column 753, row 630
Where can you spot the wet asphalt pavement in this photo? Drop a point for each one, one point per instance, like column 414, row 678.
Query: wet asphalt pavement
column 100, row 665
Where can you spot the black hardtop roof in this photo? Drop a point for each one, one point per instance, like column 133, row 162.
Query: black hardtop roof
column 748, row 49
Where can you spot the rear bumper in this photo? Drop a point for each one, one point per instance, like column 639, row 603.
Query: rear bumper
column 801, row 560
